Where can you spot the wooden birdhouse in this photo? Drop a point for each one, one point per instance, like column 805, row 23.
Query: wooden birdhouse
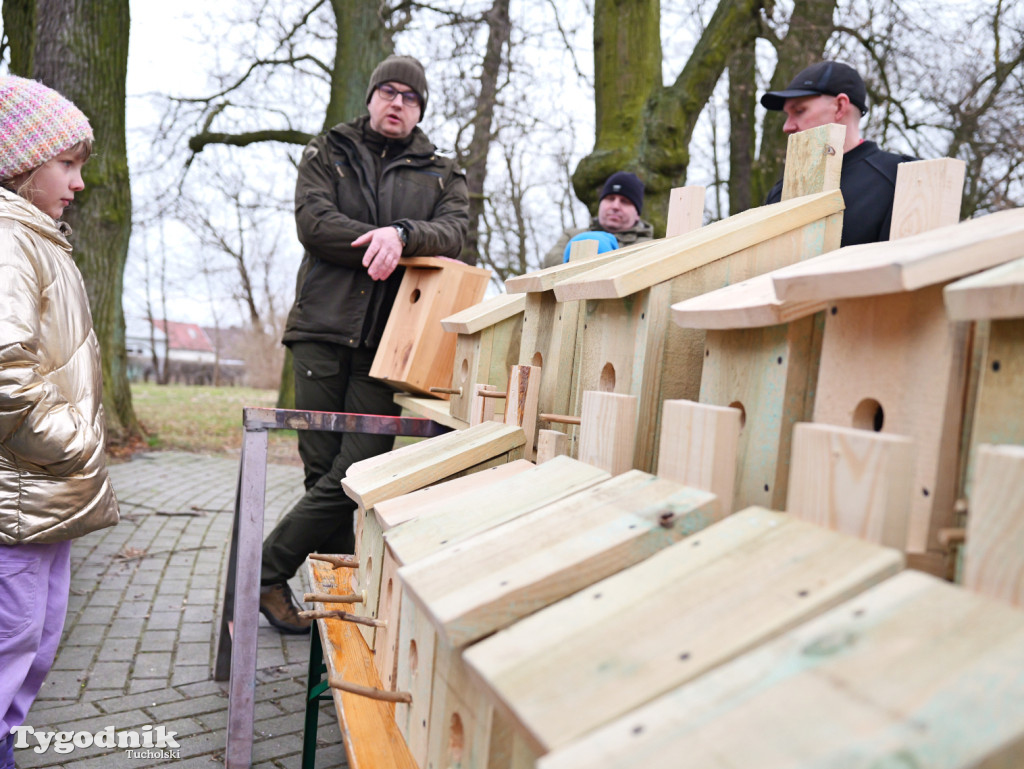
column 487, row 346
column 415, row 352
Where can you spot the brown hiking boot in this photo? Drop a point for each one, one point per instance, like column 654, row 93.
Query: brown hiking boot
column 277, row 606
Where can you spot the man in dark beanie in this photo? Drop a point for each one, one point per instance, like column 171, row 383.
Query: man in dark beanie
column 368, row 192
column 617, row 223
column 832, row 92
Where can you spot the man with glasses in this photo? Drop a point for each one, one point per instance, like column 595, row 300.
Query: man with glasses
column 369, row 191
column 832, row 92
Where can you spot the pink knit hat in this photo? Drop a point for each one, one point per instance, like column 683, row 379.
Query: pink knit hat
column 36, row 124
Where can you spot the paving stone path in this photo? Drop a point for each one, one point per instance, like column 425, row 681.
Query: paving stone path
column 139, row 638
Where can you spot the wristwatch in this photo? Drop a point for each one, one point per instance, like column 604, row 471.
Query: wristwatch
column 403, row 234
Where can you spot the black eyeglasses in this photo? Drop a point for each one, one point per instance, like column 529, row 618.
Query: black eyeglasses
column 388, row 93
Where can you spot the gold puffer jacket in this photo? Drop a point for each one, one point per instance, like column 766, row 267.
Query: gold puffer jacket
column 53, row 476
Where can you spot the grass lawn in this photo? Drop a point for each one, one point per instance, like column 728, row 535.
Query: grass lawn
column 205, row 420
column 208, row 420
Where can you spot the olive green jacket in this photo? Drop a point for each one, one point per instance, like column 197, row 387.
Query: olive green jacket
column 344, row 190
column 638, row 233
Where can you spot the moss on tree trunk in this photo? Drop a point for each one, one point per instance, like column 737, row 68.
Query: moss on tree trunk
column 81, row 50
column 643, row 126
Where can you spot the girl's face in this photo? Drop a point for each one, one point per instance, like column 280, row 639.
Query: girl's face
column 51, row 188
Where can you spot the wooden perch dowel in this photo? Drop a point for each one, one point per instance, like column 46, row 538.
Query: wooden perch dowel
column 491, row 394
column 447, row 390
column 563, row 419
column 328, row 598
column 366, row 691
column 338, row 561
column 342, row 615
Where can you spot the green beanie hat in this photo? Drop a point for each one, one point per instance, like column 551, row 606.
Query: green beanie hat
column 401, row 69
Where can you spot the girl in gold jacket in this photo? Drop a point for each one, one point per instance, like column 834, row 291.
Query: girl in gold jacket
column 53, row 477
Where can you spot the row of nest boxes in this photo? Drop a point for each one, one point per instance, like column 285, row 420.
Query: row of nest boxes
column 764, row 314
column 564, row 615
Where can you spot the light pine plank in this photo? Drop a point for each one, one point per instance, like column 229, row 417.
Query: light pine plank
column 928, row 195
column 686, row 610
column 484, row 357
column 484, row 314
column 932, row 257
column 460, row 716
column 549, row 277
column 998, row 417
column 856, row 482
column 549, row 341
column 480, row 509
column 769, row 374
column 622, row 350
column 495, row 578
column 482, row 407
column 698, row 448
column 814, row 160
column 385, row 655
column 994, row 293
column 392, row 512
column 417, row 465
column 608, row 431
column 679, row 255
column 417, row 643
column 749, row 304
column 366, row 580
column 685, row 210
column 899, row 352
column 994, row 558
column 430, row 408
column 551, row 444
column 913, row 672
column 472, row 353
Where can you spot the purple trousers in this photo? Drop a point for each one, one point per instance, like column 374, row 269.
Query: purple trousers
column 34, row 585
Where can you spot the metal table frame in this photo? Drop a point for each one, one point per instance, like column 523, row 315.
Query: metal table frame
column 236, row 646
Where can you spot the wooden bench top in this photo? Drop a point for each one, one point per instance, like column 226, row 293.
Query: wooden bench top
column 372, row 739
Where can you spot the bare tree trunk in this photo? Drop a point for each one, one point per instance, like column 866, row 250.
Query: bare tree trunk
column 641, row 126
column 82, row 51
column 20, row 32
column 627, row 72
column 742, row 127
column 362, row 42
column 475, row 159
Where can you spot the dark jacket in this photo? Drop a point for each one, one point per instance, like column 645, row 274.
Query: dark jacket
column 638, row 233
column 351, row 180
column 868, row 182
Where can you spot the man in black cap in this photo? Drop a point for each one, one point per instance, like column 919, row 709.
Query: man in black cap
column 368, row 192
column 832, row 92
column 617, row 223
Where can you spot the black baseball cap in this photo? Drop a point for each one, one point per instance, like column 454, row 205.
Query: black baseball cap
column 825, row 77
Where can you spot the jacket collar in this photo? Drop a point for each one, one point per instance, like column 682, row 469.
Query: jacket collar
column 15, row 207
column 416, row 143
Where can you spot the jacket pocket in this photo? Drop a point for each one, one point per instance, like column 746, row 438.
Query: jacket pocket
column 307, row 364
column 19, row 587
column 424, row 178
